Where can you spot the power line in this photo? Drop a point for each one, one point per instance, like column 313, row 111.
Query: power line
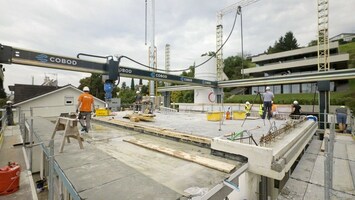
column 194, row 67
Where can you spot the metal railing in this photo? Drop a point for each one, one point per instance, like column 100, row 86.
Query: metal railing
column 3, row 121
column 166, row 110
column 59, row 186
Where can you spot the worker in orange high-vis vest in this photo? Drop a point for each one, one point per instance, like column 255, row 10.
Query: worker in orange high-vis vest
column 85, row 107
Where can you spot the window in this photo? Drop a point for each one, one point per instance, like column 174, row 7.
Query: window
column 306, row 88
column 286, row 89
column 254, row 89
column 277, row 89
column 295, row 88
column 68, row 101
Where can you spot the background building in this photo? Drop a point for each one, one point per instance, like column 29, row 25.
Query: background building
column 298, row 61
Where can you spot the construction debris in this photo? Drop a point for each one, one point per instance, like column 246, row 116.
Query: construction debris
column 275, row 132
column 136, row 117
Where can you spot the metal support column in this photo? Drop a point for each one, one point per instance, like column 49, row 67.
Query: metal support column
column 263, row 188
column 166, row 96
column 323, row 88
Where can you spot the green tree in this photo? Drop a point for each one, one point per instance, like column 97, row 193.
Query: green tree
column 127, row 97
column 94, row 82
column 124, row 85
column 285, row 43
column 184, row 96
column 132, row 84
column 313, row 43
column 2, row 91
column 144, row 90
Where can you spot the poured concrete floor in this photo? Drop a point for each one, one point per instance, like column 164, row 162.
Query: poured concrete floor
column 197, row 124
column 109, row 168
column 307, row 180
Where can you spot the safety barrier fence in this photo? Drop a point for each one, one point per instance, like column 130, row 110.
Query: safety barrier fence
column 166, row 110
column 328, row 162
column 59, row 186
column 3, row 121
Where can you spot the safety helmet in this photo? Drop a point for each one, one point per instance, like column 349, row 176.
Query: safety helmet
column 86, row 89
column 268, row 88
column 295, row 102
column 8, row 102
column 137, row 92
column 247, row 102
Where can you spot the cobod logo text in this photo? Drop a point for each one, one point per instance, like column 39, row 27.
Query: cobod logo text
column 45, row 58
column 63, row 61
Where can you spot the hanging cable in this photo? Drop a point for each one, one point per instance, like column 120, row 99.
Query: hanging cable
column 194, row 67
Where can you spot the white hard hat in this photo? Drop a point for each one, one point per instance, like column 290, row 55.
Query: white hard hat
column 247, row 102
column 8, row 102
column 268, row 88
column 86, row 89
column 137, row 92
column 295, row 102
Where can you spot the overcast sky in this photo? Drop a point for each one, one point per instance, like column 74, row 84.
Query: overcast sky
column 116, row 27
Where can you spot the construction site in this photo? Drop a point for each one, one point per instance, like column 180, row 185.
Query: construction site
column 157, row 149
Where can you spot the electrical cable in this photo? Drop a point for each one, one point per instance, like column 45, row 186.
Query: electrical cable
column 193, row 67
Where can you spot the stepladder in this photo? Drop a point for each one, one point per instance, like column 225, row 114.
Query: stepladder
column 70, row 127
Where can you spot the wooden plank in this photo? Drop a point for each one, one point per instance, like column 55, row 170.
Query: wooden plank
column 213, row 164
column 159, row 131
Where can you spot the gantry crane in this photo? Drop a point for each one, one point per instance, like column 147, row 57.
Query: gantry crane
column 219, row 32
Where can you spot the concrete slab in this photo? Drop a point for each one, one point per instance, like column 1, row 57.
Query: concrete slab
column 314, row 146
column 351, row 148
column 305, row 167
column 343, row 173
column 316, row 192
column 317, row 176
column 108, row 167
column 96, row 174
column 342, row 177
column 295, row 189
column 340, row 150
column 131, row 187
column 197, row 124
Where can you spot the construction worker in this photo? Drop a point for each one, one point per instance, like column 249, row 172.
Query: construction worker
column 247, row 108
column 138, row 102
column 228, row 114
column 9, row 113
column 268, row 96
column 296, row 108
column 341, row 114
column 261, row 110
column 85, row 107
column 274, row 109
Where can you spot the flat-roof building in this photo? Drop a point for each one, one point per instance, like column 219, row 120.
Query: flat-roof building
column 298, row 61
